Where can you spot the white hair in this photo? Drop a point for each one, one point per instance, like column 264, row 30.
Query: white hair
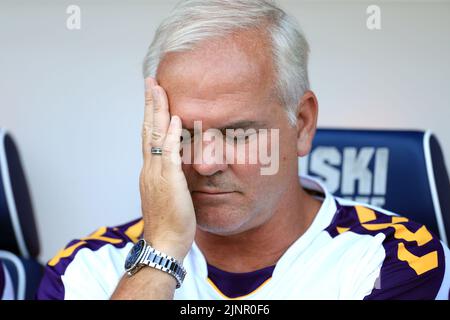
column 194, row 21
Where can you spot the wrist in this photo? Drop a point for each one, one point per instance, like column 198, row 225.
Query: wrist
column 143, row 254
column 170, row 249
column 168, row 246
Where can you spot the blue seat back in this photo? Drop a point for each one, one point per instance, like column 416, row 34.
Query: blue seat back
column 19, row 242
column 18, row 233
column 401, row 171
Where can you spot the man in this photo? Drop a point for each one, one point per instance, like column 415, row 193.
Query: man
column 213, row 227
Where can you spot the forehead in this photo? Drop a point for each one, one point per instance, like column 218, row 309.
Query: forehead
column 224, row 80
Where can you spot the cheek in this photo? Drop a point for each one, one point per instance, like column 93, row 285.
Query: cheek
column 245, row 172
column 288, row 146
column 260, row 191
column 253, row 182
column 189, row 173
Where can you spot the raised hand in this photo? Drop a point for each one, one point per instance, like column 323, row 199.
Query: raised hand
column 167, row 208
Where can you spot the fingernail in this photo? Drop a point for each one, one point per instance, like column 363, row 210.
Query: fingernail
column 175, row 121
column 149, row 83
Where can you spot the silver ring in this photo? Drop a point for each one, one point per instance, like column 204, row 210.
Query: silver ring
column 156, row 150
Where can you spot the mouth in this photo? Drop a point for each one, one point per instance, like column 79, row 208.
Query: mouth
column 211, row 192
column 213, row 197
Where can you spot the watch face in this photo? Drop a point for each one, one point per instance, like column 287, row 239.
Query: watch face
column 134, row 254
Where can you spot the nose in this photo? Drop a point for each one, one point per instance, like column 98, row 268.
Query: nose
column 208, row 159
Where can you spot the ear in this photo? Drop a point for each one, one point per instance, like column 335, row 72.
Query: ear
column 307, row 114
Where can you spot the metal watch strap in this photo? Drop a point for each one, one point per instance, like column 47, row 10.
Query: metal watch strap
column 161, row 261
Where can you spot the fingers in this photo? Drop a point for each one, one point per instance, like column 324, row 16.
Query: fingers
column 171, row 162
column 161, row 116
column 148, row 118
column 161, row 120
column 159, row 131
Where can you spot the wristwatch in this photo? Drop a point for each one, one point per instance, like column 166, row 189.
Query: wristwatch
column 142, row 254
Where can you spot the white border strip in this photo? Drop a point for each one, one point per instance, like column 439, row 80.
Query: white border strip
column 10, row 197
column 21, row 275
column 434, row 194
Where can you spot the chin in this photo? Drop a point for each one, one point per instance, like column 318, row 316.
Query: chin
column 221, row 222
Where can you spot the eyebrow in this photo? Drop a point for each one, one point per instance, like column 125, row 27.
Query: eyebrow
column 242, row 124
column 245, row 124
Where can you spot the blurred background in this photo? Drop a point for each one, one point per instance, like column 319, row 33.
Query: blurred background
column 73, row 99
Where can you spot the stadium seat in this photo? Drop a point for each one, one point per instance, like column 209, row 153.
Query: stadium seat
column 7, row 290
column 19, row 243
column 400, row 171
column 24, row 274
